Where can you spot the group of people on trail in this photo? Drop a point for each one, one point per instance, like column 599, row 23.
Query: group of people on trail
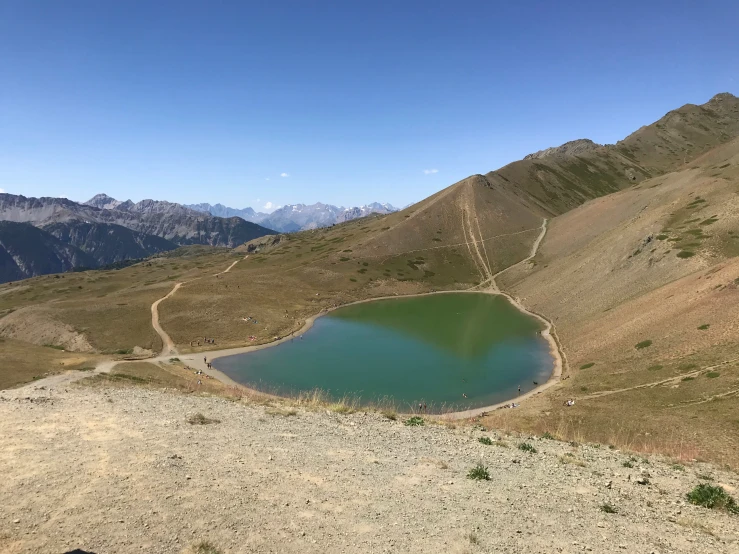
column 422, row 408
column 570, row 402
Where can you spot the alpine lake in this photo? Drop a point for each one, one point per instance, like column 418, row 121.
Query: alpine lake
column 451, row 352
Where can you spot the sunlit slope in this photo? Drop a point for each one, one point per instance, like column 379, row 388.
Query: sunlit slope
column 643, row 287
column 559, row 179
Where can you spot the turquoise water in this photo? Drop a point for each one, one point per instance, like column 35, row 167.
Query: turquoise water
column 431, row 349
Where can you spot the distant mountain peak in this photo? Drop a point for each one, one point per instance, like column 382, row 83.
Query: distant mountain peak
column 572, row 148
column 298, row 217
column 104, row 202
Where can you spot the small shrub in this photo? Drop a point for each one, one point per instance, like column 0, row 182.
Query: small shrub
column 472, row 537
column 414, row 421
column 688, row 379
column 203, row 547
column 704, row 476
column 678, row 467
column 526, row 447
column 352, row 279
column 628, row 463
column 548, row 436
column 174, row 360
column 485, row 440
column 685, row 254
column 390, row 414
column 200, row 419
column 713, row 497
column 661, row 237
column 570, row 459
column 643, row 344
column 704, row 327
column 654, row 367
column 712, row 374
column 479, row 473
column 608, row 509
column 587, row 365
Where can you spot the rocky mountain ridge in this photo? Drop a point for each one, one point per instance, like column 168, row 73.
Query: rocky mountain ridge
column 106, row 231
column 298, row 217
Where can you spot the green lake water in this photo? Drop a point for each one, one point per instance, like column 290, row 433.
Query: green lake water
column 431, row 349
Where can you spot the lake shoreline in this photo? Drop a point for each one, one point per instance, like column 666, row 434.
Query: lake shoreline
column 195, row 360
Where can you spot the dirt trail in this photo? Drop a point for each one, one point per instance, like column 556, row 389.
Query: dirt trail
column 653, row 384
column 467, row 206
column 534, row 250
column 168, row 346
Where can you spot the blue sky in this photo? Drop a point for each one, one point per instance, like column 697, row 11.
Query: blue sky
column 246, row 103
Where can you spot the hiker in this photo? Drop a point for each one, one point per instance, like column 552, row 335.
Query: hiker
column 205, row 361
column 420, row 407
column 199, row 382
column 424, row 407
column 519, row 390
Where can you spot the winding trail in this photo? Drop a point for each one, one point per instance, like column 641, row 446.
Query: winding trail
column 675, row 379
column 168, row 346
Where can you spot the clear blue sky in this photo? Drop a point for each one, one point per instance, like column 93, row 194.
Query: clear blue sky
column 353, row 101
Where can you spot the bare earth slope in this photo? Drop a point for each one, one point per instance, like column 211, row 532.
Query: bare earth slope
column 122, row 471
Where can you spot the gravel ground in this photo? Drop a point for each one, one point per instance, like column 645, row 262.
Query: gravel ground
column 117, row 470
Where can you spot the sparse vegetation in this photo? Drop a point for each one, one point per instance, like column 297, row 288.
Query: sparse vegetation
column 643, row 344
column 390, row 414
column 587, row 365
column 284, row 412
column 703, row 327
column 608, row 508
column 414, row 421
column 713, row 497
column 685, row 254
column 479, row 473
column 200, row 419
column 485, row 440
column 527, row 447
column 547, row 435
column 713, row 374
column 656, row 367
column 203, row 547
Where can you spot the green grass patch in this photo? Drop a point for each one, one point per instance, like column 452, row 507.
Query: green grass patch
column 685, row 254
column 710, row 221
column 713, row 497
column 587, row 365
column 643, row 344
column 704, row 327
column 414, row 421
column 688, row 379
column 479, row 473
column 527, row 447
column 656, row 367
column 713, row 374
column 485, row 440
column 661, row 237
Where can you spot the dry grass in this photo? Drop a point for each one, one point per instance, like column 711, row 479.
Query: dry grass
column 23, row 362
column 200, row 419
column 697, row 525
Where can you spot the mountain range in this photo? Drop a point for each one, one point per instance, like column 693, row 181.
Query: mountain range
column 297, row 217
column 103, row 231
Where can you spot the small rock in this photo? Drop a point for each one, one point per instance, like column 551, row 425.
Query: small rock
column 16, row 521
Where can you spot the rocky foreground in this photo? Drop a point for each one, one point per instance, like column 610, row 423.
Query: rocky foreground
column 121, row 470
